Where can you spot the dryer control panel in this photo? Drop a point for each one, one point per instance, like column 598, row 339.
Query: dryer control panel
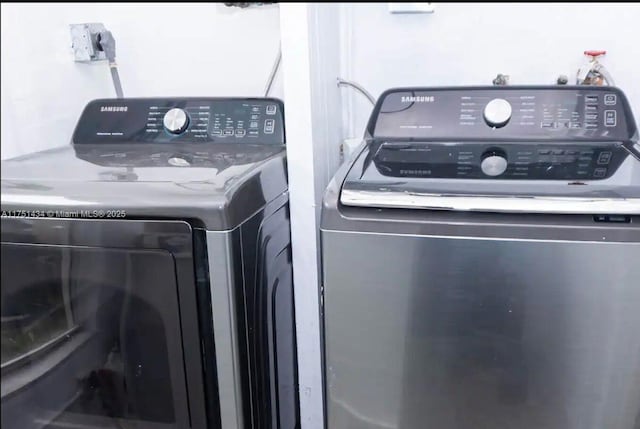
column 175, row 120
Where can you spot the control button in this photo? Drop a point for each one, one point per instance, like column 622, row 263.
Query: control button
column 216, row 132
column 255, row 109
column 175, row 121
column 610, row 99
column 494, row 163
column 593, row 99
column 269, row 125
column 571, row 152
column 591, row 117
column 604, row 158
column 271, row 109
column 599, row 173
column 574, row 125
column 228, row 132
column 557, row 152
column 610, row 119
column 240, row 133
column 253, row 133
column 544, row 151
column 497, row 112
column 590, row 125
column 589, row 108
column 569, row 159
column 253, row 124
column 255, row 117
column 548, row 125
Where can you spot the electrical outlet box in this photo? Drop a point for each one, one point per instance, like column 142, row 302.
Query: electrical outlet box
column 84, row 42
column 411, row 7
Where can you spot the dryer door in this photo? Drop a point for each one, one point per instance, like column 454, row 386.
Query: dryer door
column 91, row 328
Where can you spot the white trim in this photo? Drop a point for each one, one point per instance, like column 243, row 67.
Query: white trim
column 310, row 37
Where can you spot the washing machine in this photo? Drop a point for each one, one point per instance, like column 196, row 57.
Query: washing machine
column 481, row 263
column 146, row 271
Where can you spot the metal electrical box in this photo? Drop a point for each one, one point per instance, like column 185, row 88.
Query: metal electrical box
column 84, row 41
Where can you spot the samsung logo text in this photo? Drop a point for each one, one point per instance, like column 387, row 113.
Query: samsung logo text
column 418, row 99
column 114, row 108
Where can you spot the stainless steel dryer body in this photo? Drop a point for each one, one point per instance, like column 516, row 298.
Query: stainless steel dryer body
column 156, row 247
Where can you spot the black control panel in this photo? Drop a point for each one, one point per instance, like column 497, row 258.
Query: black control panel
column 514, row 133
column 188, row 120
column 514, row 161
column 559, row 112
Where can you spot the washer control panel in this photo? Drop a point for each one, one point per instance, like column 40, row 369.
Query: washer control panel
column 558, row 112
column 513, row 161
column 189, row 120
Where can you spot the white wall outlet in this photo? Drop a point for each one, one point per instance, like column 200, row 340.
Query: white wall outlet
column 348, row 148
column 411, row 7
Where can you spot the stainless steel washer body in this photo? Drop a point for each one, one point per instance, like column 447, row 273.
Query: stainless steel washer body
column 453, row 299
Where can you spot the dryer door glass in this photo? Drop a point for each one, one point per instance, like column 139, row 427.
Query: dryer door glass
column 90, row 338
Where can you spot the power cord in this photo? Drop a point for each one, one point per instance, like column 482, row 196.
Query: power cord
column 107, row 44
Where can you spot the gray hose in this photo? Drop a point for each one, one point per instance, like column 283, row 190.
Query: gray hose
column 357, row 87
column 274, row 71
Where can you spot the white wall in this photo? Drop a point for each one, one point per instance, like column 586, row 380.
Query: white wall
column 162, row 50
column 468, row 44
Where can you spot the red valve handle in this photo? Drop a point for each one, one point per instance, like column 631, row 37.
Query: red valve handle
column 594, row 53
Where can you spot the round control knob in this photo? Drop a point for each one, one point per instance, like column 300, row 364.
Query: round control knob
column 175, row 121
column 494, row 163
column 497, row 112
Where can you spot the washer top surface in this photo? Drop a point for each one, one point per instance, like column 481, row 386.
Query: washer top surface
column 556, row 149
column 219, row 181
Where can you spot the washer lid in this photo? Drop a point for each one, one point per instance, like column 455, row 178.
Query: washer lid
column 427, row 176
